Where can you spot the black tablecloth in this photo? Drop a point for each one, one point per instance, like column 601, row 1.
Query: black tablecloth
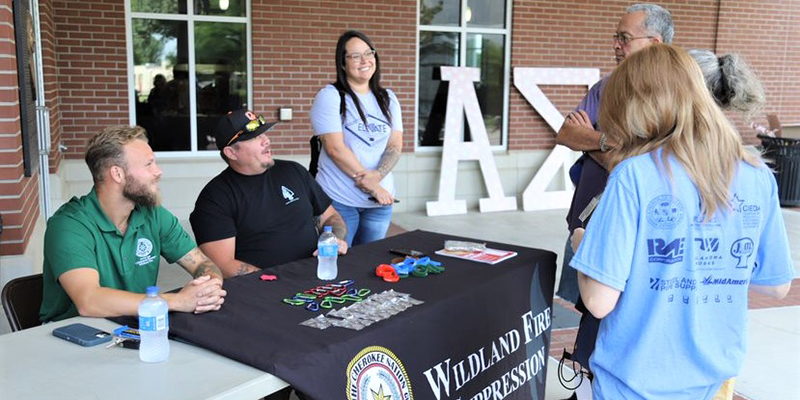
column 482, row 333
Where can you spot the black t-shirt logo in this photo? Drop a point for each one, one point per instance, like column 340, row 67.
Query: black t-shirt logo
column 288, row 194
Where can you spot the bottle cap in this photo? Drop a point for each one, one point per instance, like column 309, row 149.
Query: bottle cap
column 328, row 228
column 152, row 290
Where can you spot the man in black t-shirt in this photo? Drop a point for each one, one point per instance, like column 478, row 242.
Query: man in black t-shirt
column 259, row 212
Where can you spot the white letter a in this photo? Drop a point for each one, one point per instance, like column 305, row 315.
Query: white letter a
column 461, row 99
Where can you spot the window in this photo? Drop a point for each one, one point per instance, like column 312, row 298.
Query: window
column 188, row 67
column 470, row 33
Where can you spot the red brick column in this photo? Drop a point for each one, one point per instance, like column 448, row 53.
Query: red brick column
column 19, row 196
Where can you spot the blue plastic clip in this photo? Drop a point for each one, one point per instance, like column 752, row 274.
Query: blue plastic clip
column 126, row 332
column 405, row 267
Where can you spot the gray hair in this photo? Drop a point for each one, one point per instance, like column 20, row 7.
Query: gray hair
column 732, row 83
column 657, row 22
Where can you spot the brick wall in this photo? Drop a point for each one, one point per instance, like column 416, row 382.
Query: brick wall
column 578, row 34
column 293, row 43
column 19, row 199
column 293, row 57
column 765, row 33
column 91, row 69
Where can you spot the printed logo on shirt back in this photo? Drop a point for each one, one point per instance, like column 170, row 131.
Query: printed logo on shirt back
column 706, row 254
column 742, row 249
column 751, row 213
column 665, row 212
column 701, row 222
column 659, row 251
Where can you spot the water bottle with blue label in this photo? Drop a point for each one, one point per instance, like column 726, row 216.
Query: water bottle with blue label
column 153, row 327
column 327, row 251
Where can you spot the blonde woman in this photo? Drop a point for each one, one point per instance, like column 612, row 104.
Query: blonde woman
column 688, row 223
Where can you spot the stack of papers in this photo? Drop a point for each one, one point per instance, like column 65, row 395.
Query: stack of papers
column 488, row 256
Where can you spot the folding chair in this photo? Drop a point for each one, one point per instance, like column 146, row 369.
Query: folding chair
column 21, row 299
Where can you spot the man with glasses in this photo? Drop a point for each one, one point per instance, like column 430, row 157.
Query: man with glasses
column 640, row 26
column 259, row 212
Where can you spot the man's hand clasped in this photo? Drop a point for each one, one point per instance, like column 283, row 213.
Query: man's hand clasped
column 201, row 295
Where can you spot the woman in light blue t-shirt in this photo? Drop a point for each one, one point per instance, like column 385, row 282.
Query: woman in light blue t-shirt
column 360, row 126
column 689, row 222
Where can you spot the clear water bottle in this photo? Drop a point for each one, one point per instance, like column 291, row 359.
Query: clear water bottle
column 153, row 327
column 327, row 251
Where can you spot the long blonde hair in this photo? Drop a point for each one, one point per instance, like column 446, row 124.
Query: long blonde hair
column 657, row 98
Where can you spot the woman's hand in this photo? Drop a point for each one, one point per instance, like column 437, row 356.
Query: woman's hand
column 384, row 198
column 368, row 180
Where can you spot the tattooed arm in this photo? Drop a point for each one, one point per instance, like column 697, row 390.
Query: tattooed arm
column 204, row 293
column 223, row 252
column 198, row 264
column 332, row 218
column 369, row 180
column 392, row 154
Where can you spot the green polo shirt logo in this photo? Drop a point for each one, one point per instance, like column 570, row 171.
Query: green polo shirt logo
column 144, row 248
column 80, row 235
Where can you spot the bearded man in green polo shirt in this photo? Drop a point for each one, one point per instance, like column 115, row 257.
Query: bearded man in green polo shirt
column 102, row 250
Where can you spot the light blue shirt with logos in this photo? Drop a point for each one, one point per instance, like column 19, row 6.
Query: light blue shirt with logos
column 679, row 328
column 367, row 141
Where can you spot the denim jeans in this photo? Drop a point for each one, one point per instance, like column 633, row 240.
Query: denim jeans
column 364, row 225
column 568, row 288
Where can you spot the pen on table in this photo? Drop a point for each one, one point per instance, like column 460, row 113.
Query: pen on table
column 372, row 198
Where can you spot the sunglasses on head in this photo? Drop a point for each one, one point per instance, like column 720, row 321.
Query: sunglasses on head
column 250, row 127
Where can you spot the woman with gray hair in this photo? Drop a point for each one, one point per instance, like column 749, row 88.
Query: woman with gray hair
column 732, row 83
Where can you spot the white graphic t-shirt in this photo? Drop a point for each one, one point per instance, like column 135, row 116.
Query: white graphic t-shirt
column 367, row 141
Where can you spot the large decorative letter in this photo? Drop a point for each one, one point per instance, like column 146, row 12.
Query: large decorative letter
column 526, row 80
column 461, row 99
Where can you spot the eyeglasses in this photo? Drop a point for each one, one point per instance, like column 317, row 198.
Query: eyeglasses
column 367, row 55
column 250, row 127
column 625, row 39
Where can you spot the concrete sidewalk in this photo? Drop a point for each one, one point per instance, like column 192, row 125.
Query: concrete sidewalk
column 772, row 366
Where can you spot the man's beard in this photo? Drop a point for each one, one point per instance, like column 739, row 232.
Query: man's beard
column 139, row 194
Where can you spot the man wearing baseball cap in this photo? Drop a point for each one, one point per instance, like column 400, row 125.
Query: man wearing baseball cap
column 259, row 212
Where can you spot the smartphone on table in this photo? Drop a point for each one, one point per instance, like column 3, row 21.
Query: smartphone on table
column 81, row 334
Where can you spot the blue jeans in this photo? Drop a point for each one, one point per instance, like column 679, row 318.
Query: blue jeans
column 364, row 225
column 568, row 289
